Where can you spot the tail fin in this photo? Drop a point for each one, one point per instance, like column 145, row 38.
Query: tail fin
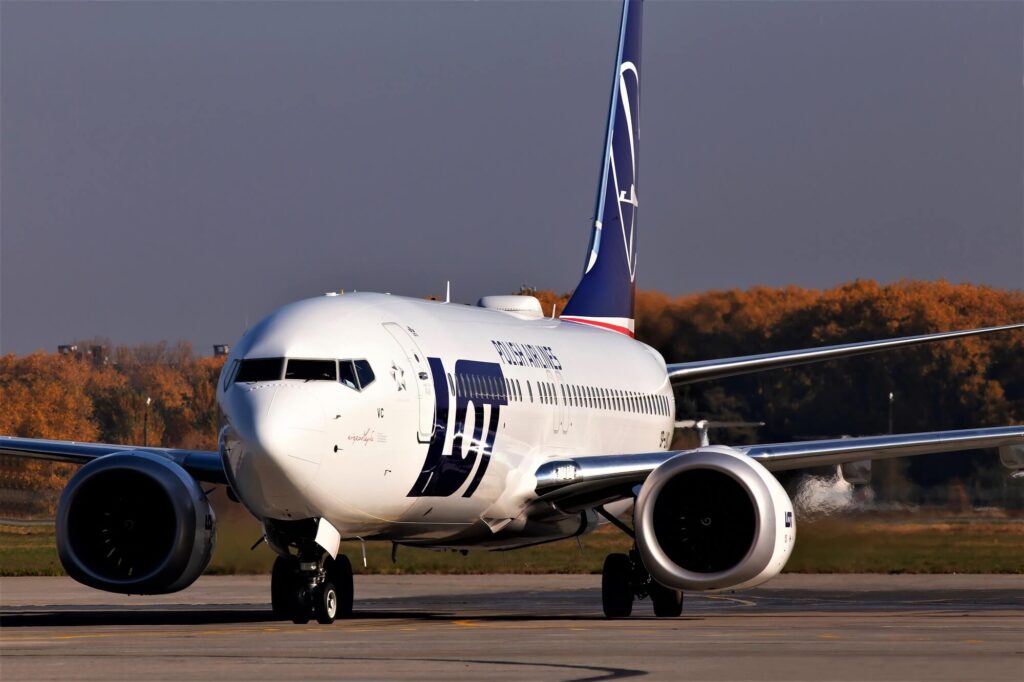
column 604, row 297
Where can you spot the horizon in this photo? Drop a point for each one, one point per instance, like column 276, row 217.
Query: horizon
column 82, row 345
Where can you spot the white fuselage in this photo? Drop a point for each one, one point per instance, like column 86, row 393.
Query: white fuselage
column 441, row 447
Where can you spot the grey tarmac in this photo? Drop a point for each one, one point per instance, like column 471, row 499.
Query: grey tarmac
column 797, row 627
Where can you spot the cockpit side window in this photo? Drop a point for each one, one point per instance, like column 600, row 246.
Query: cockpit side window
column 312, row 370
column 259, row 369
column 364, row 372
column 229, row 375
column 356, row 374
column 347, row 374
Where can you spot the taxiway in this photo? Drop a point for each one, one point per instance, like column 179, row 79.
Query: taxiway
column 797, row 627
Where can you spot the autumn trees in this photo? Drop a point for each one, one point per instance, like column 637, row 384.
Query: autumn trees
column 49, row 395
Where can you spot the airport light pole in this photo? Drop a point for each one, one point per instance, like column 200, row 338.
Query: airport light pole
column 145, row 424
column 890, row 412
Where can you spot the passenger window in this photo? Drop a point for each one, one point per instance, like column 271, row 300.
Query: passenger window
column 347, row 374
column 259, row 369
column 451, row 384
column 364, row 372
column 529, row 389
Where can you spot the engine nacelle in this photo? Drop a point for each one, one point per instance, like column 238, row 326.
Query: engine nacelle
column 134, row 522
column 713, row 519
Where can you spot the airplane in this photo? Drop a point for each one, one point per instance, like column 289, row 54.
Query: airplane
column 365, row 416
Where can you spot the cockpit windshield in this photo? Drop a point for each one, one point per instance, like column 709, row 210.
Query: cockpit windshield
column 312, row 370
column 259, row 369
column 355, row 374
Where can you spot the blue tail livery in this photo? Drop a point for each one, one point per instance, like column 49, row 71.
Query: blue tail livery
column 604, row 297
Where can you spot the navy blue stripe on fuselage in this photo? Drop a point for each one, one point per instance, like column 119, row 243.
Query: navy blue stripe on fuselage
column 477, row 385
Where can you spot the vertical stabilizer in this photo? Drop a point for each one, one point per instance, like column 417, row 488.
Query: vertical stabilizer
column 604, row 297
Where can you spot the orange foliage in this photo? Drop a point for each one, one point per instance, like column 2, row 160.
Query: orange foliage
column 47, row 395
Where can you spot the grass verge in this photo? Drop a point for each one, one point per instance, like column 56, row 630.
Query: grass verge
column 866, row 543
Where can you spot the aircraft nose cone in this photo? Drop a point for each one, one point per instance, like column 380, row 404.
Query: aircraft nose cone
column 278, row 434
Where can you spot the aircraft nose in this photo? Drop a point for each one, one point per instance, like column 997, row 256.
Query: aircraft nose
column 279, row 433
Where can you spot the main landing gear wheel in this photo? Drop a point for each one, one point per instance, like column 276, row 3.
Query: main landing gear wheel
column 668, row 603
column 617, row 586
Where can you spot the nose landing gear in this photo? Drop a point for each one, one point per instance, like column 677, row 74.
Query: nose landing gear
column 303, row 587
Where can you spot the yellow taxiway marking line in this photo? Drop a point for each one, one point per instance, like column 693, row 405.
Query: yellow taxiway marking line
column 829, row 635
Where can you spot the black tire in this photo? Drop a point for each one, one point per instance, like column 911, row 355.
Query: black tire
column 668, row 603
column 339, row 572
column 301, row 609
column 325, row 603
column 616, row 586
column 282, row 584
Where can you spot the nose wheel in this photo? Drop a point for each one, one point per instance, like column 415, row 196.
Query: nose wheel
column 325, row 603
column 301, row 590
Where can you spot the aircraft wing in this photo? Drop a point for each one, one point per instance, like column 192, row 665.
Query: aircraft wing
column 706, row 370
column 203, row 465
column 582, row 482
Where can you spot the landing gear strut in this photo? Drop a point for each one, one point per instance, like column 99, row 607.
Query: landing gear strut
column 302, row 587
column 624, row 579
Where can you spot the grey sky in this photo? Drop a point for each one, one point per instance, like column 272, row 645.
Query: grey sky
column 170, row 170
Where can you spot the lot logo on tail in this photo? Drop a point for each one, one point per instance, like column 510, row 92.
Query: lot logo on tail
column 604, row 296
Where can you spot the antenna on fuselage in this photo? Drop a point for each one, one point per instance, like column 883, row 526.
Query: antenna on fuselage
column 448, row 291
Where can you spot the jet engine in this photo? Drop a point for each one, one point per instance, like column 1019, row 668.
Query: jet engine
column 713, row 519
column 134, row 522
